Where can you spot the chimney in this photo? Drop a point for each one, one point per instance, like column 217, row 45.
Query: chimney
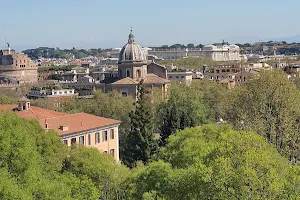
column 46, row 124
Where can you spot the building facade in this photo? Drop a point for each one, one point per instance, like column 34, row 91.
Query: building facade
column 216, row 53
column 181, row 76
column 80, row 128
column 18, row 67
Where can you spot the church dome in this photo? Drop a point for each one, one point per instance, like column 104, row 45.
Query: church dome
column 132, row 52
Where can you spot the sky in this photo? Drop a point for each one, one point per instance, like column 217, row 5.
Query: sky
column 107, row 23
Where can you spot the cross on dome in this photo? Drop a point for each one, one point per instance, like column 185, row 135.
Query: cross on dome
column 131, row 37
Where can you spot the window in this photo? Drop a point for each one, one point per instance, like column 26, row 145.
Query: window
column 81, row 140
column 97, row 138
column 182, row 76
column 89, row 139
column 104, row 136
column 124, row 94
column 223, row 70
column 128, row 73
column 170, row 76
column 65, row 142
column 112, row 152
column 105, row 152
column 138, row 73
column 66, row 92
column 73, row 140
column 177, row 76
column 112, row 134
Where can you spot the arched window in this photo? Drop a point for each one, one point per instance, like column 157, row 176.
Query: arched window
column 138, row 73
column 124, row 94
column 128, row 73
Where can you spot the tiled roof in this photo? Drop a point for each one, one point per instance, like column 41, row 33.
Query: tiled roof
column 75, row 122
column 39, row 113
column 126, row 81
column 152, row 79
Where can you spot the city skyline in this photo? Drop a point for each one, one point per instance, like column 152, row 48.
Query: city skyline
column 106, row 24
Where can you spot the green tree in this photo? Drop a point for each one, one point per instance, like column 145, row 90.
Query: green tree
column 216, row 162
column 140, row 143
column 90, row 164
column 183, row 108
column 191, row 45
column 269, row 106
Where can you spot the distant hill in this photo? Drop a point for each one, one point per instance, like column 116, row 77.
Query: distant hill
column 292, row 39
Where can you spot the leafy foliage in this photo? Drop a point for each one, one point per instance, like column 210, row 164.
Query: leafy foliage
column 214, row 162
column 189, row 106
column 268, row 105
column 34, row 164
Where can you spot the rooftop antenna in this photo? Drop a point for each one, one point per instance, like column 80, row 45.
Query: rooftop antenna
column 8, row 46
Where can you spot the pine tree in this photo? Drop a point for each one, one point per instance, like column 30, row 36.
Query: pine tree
column 140, row 143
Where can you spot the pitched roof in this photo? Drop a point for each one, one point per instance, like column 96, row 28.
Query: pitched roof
column 154, row 63
column 126, row 81
column 152, row 79
column 39, row 113
column 75, row 122
column 24, row 99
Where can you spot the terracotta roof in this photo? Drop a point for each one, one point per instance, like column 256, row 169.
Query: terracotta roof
column 126, row 81
column 39, row 113
column 75, row 122
column 152, row 78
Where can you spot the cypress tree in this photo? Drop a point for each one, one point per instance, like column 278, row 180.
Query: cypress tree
column 140, row 142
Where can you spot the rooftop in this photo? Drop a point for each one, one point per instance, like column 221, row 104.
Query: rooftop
column 75, row 122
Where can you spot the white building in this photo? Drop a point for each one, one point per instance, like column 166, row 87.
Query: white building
column 222, row 53
column 217, row 53
column 180, row 76
column 43, row 93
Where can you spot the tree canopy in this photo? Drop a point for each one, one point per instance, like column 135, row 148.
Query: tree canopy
column 215, row 162
column 34, row 164
column 269, row 106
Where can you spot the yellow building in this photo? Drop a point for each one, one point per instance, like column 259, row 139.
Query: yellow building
column 80, row 128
